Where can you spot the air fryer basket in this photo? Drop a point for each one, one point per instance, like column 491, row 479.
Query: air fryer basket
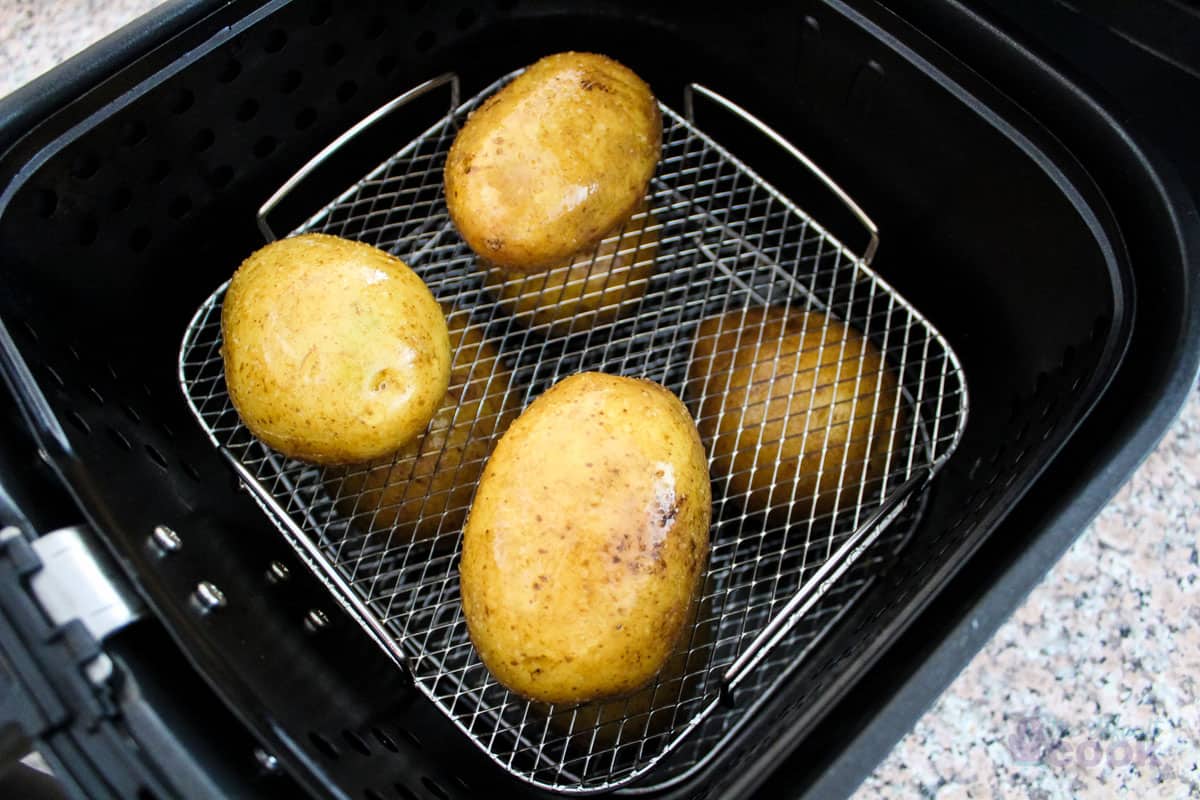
column 725, row 242
column 125, row 210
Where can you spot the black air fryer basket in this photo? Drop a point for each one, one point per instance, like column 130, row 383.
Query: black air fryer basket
column 175, row 612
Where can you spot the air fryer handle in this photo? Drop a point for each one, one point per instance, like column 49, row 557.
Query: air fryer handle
column 693, row 89
column 364, row 123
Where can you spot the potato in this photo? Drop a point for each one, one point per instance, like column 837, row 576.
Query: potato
column 335, row 352
column 553, row 162
column 585, row 543
column 589, row 290
column 428, row 484
column 780, row 413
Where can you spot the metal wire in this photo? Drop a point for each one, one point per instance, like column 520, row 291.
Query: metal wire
column 714, row 239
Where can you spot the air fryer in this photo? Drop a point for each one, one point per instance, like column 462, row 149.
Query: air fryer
column 162, row 637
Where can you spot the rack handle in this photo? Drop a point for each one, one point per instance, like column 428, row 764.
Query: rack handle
column 364, row 123
column 689, row 110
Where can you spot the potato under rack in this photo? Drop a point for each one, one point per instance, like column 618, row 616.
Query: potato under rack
column 727, row 241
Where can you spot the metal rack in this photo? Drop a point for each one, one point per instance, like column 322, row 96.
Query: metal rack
column 721, row 240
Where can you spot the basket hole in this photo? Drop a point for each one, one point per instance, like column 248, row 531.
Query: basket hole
column 29, row 329
column 54, row 376
column 133, row 133
column 139, row 239
column 120, row 439
column 375, row 28
column 159, row 171
column 385, row 740
column 305, row 118
column 425, row 41
column 145, row 794
column 79, row 422
column 346, row 91
column 462, row 783
column 190, row 470
column 88, row 230
column 133, row 415
column 247, row 110
column 324, row 745
column 385, row 65
column 371, row 794
column 230, row 71
column 434, row 788
column 333, row 54
column 404, row 792
column 321, row 13
column 94, row 393
column 179, row 207
column 121, row 198
column 85, row 166
column 182, row 101
column 356, row 741
column 222, row 176
column 156, row 456
column 465, row 18
column 45, row 202
column 291, row 81
column 265, row 146
column 412, row 737
column 276, row 41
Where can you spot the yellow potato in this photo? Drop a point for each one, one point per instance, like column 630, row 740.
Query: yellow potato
column 792, row 400
column 429, row 482
column 554, row 161
column 591, row 289
column 335, row 352
column 585, row 543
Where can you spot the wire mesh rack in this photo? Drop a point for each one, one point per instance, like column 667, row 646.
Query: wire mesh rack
column 716, row 262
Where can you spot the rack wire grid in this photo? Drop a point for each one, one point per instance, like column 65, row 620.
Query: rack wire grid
column 713, row 242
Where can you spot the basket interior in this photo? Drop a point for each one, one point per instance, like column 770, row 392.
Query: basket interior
column 718, row 247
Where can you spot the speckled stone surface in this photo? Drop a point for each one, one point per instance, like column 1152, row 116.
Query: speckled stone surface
column 1090, row 690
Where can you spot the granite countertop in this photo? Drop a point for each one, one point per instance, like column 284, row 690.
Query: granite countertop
column 1090, row 690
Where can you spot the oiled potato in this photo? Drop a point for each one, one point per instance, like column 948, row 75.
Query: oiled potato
column 432, row 478
column 792, row 400
column 553, row 161
column 335, row 352
column 591, row 289
column 586, row 540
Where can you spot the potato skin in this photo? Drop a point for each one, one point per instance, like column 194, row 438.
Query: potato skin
column 754, row 412
column 593, row 288
column 429, row 482
column 335, row 352
column 553, row 161
column 586, row 541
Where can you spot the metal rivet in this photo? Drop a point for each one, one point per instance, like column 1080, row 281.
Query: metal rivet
column 166, row 539
column 315, row 620
column 278, row 572
column 265, row 760
column 208, row 597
